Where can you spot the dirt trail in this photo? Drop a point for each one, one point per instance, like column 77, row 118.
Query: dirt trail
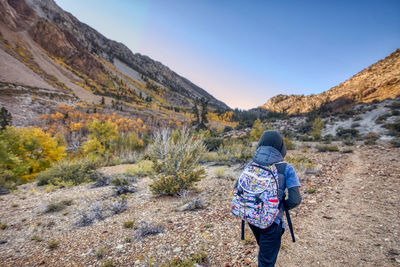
column 357, row 224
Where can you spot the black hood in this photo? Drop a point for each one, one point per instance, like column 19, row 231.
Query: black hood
column 273, row 139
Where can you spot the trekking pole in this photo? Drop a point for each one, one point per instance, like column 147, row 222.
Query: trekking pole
column 289, row 221
column 242, row 229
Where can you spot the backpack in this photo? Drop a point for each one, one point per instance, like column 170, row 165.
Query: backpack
column 255, row 196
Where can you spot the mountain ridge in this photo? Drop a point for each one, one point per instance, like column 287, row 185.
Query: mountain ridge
column 379, row 81
column 83, row 51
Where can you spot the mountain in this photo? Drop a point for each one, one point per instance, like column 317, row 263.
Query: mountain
column 377, row 82
column 42, row 46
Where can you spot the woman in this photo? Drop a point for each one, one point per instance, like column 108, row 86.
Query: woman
column 271, row 150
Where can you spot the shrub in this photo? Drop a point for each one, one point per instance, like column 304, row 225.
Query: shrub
column 141, row 169
column 108, row 263
column 3, row 226
column 347, row 150
column 355, row 125
column 53, row 244
column 129, row 224
column 394, row 128
column 194, row 259
column 175, row 158
column 145, row 229
column 68, row 173
column 348, row 142
column 236, row 151
column 88, row 217
column 119, row 205
column 346, row 133
column 54, row 207
column 123, row 185
column 289, row 144
column 310, row 190
column 325, row 148
column 212, row 143
column 371, row 138
column 219, row 172
column 395, row 142
column 36, row 238
column 100, row 253
column 357, row 118
column 382, row 118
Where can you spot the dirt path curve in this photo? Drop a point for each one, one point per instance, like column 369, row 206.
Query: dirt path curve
column 358, row 222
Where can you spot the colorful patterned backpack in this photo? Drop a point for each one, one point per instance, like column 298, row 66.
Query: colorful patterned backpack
column 255, row 195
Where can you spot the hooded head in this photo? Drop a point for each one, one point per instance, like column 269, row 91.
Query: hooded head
column 273, row 139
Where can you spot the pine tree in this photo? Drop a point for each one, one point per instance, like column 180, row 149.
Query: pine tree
column 5, row 118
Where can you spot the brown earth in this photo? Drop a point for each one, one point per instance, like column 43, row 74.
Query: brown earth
column 350, row 220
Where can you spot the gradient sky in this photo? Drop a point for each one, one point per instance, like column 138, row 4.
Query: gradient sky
column 244, row 52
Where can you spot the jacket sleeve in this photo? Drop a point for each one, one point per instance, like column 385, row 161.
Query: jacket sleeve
column 294, row 197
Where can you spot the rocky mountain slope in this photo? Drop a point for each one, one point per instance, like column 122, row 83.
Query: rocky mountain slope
column 58, row 52
column 377, row 82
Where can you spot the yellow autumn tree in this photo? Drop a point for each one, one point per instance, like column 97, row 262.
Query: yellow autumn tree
column 29, row 151
column 257, row 130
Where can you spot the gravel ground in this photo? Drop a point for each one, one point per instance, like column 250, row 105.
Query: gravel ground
column 350, row 220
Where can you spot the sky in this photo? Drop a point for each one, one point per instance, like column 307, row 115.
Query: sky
column 244, row 52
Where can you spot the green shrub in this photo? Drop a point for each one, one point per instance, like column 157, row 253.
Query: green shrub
column 382, row 118
column 190, row 261
column 236, row 150
column 129, row 224
column 370, row 138
column 289, row 144
column 219, row 172
column 53, row 244
column 299, row 161
column 100, row 253
column 326, row 148
column 3, row 226
column 348, row 142
column 141, row 169
column 68, row 173
column 347, row 133
column 213, row 143
column 54, row 207
column 36, row 238
column 175, row 158
column 395, row 142
column 310, row 190
column 394, row 128
column 108, row 263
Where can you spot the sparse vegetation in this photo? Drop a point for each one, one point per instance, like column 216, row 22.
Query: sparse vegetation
column 175, row 158
column 108, row 263
column 129, row 224
column 3, row 226
column 141, row 169
column 144, row 229
column 68, row 173
column 100, row 253
column 36, row 238
column 219, row 172
column 53, row 244
column 327, row 148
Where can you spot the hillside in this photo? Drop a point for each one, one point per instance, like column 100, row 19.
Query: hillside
column 377, row 82
column 44, row 47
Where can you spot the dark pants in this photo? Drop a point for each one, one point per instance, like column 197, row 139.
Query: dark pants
column 269, row 242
